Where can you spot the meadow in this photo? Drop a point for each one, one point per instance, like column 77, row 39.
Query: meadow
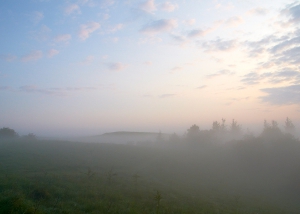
column 242, row 176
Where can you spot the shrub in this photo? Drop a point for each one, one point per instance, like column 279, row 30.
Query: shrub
column 6, row 132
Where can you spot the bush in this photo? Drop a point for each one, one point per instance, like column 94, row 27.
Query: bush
column 6, row 132
column 30, row 137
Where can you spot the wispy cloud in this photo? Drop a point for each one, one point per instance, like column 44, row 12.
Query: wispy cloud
column 224, row 72
column 74, row 89
column 152, row 39
column 180, row 39
column 258, row 11
column 148, row 6
column 87, row 29
column 234, row 21
column 42, row 34
column 116, row 66
column 280, row 50
column 189, row 21
column 283, row 76
column 52, row 53
column 199, row 32
column 36, row 17
column 72, row 9
column 88, row 60
column 285, row 44
column 106, row 3
column 176, row 68
column 5, row 88
column 290, row 56
column 54, row 91
column 202, row 87
column 105, row 16
column 32, row 56
column 114, row 39
column 219, row 45
column 168, row 6
column 8, row 57
column 90, row 3
column 115, row 28
column 256, row 48
column 162, row 25
column 63, row 38
column 282, row 95
column 35, row 89
column 292, row 11
column 290, row 76
column 251, row 78
column 227, row 7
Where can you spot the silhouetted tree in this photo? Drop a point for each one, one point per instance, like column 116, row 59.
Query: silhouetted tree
column 193, row 133
column 271, row 128
column 6, row 132
column 271, row 132
column 219, row 127
column 219, row 132
column 223, row 126
column 30, row 137
column 216, row 127
column 235, row 128
column 174, row 138
column 193, row 130
column 289, row 126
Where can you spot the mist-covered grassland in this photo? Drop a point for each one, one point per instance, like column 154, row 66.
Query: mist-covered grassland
column 220, row 170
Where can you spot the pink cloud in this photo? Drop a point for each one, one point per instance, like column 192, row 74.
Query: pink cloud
column 87, row 29
column 52, row 53
column 32, row 56
column 72, row 8
column 62, row 38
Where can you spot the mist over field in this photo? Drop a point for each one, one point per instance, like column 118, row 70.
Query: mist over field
column 219, row 170
column 149, row 106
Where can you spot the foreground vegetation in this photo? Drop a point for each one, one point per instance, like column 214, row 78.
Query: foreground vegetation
column 67, row 177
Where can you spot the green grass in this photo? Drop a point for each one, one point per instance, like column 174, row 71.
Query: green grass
column 65, row 177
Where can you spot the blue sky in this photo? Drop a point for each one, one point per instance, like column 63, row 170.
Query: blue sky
column 90, row 66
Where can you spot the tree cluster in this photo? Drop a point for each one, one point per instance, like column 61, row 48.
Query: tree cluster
column 221, row 132
column 8, row 133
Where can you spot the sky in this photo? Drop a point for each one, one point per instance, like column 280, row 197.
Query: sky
column 83, row 67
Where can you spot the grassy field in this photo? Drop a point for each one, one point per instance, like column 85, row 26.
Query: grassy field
column 69, row 177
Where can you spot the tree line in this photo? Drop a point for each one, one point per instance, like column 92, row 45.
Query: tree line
column 220, row 132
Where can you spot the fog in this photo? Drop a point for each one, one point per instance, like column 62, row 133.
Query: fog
column 149, row 106
column 226, row 167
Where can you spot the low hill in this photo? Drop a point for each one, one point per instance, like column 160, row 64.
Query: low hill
column 126, row 137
